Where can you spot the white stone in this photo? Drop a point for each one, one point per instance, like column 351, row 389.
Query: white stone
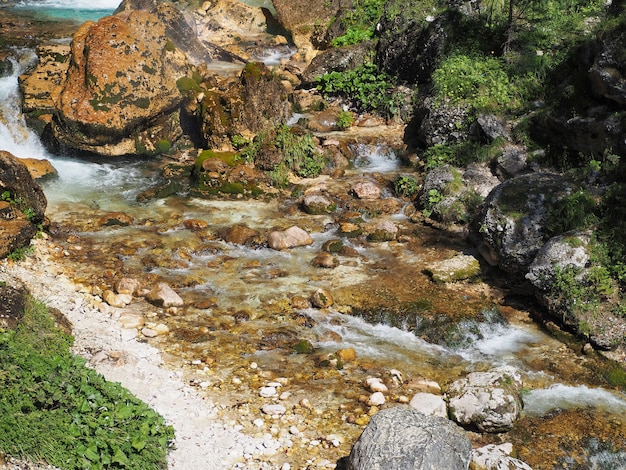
column 267, row 392
column 429, row 404
column 376, row 399
column 274, row 410
column 374, row 384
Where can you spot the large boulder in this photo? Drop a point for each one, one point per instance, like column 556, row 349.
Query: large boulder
column 337, row 59
column 510, row 226
column 401, row 438
column 18, row 186
column 181, row 29
column 565, row 265
column 229, row 106
column 120, row 91
column 488, row 401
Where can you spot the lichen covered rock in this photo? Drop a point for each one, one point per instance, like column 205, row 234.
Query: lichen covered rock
column 121, row 82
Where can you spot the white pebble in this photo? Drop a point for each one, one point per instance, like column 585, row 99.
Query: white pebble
column 267, row 392
column 376, row 399
column 259, row 423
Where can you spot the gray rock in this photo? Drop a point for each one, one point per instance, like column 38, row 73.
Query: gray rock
column 402, row 438
column 559, row 252
column 488, row 127
column 496, row 457
column 512, row 162
column 410, row 47
column 488, row 401
column 336, row 59
column 510, row 226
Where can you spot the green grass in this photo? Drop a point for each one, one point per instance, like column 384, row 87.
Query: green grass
column 54, row 408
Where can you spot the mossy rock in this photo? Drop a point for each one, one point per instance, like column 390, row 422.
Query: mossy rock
column 458, row 268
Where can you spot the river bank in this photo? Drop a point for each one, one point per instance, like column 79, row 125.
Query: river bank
column 203, row 439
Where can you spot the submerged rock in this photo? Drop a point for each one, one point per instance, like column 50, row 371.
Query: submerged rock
column 290, row 238
column 403, row 438
column 458, row 268
column 164, row 296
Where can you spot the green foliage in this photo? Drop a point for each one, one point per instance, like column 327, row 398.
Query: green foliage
column 480, row 82
column 574, row 212
column 405, row 186
column 434, row 197
column 460, row 153
column 360, row 22
column 20, row 254
column 366, row 87
column 20, row 203
column 300, row 155
column 54, row 408
column 345, row 119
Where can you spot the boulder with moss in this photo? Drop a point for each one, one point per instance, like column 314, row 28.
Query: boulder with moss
column 119, row 96
column 577, row 292
column 510, row 228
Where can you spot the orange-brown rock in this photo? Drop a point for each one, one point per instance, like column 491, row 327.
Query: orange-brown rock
column 121, row 83
column 39, row 168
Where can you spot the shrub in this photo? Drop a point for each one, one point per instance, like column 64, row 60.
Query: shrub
column 345, row 119
column 476, row 81
column 366, row 87
column 360, row 22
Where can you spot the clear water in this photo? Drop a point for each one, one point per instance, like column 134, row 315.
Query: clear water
column 75, row 10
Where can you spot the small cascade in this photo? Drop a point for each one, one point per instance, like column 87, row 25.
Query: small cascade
column 375, row 158
column 15, row 136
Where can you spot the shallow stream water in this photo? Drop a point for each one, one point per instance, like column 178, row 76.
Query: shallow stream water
column 240, row 311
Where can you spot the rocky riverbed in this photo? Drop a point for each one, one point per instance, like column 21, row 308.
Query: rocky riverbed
column 270, row 325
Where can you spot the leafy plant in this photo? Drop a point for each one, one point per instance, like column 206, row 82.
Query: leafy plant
column 577, row 211
column 360, row 22
column 20, row 254
column 54, row 408
column 405, row 186
column 366, row 87
column 480, row 82
column 345, row 119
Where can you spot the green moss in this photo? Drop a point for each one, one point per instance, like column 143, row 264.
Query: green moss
column 303, row 347
column 143, row 103
column 230, row 158
column 187, row 84
column 163, row 146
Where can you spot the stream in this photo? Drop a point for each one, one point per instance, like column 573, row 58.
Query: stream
column 241, row 317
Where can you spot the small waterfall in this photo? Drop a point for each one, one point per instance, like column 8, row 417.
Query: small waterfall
column 15, row 136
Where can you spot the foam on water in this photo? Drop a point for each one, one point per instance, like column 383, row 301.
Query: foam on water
column 498, row 341
column 560, row 396
column 15, row 136
column 376, row 341
column 375, row 158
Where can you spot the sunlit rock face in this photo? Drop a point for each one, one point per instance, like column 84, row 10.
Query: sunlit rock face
column 121, row 82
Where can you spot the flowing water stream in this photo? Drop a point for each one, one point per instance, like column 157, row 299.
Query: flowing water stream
column 239, row 299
